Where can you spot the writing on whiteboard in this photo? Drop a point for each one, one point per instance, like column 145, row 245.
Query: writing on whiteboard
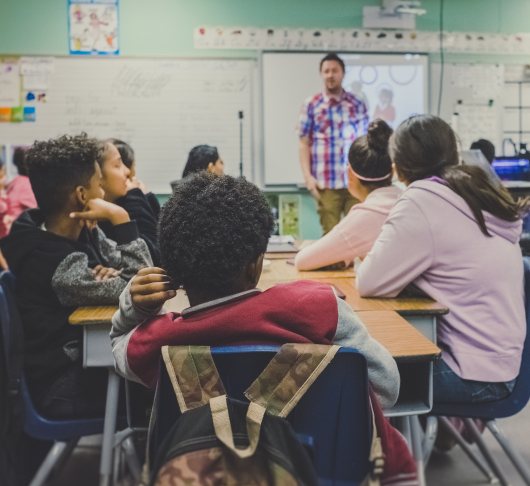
column 138, row 83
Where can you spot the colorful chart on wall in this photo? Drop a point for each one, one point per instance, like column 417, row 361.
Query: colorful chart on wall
column 93, row 27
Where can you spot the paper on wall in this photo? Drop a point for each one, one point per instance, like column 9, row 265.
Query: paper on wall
column 486, row 81
column 476, row 122
column 9, row 84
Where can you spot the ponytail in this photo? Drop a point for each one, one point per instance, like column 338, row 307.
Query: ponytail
column 424, row 146
column 474, row 186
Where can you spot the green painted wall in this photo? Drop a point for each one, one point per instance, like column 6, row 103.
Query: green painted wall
column 161, row 28
column 165, row 27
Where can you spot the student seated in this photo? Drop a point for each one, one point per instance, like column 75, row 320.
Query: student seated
column 370, row 181
column 115, row 183
column 135, row 187
column 19, row 193
column 59, row 264
column 486, row 147
column 455, row 236
column 213, row 236
column 201, row 158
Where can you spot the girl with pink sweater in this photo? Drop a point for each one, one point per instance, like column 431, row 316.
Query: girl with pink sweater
column 370, row 181
column 456, row 237
column 19, row 193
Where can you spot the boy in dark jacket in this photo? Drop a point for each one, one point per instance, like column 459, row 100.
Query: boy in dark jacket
column 61, row 260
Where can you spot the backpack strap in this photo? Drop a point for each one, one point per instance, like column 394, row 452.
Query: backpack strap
column 196, row 382
column 223, row 428
column 289, row 375
column 193, row 375
column 376, row 457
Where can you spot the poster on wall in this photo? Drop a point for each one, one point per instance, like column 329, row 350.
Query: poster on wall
column 93, row 27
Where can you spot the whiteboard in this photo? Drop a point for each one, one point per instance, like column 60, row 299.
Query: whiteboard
column 290, row 78
column 162, row 107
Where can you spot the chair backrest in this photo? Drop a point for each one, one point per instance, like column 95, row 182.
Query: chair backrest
column 520, row 395
column 334, row 415
column 35, row 425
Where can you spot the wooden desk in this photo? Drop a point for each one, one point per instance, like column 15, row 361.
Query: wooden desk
column 280, row 271
column 403, row 341
column 92, row 315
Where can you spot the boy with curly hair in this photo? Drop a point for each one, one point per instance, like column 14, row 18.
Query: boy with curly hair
column 213, row 236
column 61, row 260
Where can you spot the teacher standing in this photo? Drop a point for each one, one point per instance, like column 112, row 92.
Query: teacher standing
column 329, row 123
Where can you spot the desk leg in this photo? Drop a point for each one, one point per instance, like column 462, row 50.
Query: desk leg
column 417, row 449
column 111, row 412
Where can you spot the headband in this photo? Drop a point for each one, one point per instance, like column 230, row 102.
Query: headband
column 375, row 179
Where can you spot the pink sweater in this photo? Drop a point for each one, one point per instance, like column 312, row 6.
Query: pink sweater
column 432, row 239
column 354, row 236
column 20, row 196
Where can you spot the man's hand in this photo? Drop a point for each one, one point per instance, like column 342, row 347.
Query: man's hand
column 100, row 210
column 103, row 274
column 313, row 187
column 151, row 288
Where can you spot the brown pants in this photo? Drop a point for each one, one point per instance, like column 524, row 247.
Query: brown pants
column 332, row 203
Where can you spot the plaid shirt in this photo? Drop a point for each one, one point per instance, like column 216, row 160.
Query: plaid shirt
column 331, row 126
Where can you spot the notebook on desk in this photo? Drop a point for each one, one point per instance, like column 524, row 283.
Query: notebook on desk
column 281, row 244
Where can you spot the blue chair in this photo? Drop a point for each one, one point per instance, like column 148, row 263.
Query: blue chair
column 489, row 412
column 332, row 419
column 65, row 433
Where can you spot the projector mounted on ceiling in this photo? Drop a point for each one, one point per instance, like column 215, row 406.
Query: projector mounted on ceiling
column 393, row 14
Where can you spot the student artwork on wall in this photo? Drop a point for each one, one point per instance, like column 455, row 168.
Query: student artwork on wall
column 290, row 215
column 93, row 27
column 363, row 40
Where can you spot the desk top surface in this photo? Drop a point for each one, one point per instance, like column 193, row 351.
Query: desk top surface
column 279, row 270
column 399, row 337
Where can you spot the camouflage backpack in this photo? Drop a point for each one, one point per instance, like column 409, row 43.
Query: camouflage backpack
column 221, row 441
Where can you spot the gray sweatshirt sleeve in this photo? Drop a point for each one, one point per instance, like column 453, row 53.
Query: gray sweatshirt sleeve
column 117, row 252
column 126, row 319
column 382, row 369
column 75, row 284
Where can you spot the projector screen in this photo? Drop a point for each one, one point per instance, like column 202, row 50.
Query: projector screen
column 393, row 86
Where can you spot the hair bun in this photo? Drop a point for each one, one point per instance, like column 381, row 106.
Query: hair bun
column 378, row 136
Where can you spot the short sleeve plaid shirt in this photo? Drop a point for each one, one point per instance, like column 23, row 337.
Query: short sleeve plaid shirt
column 331, row 126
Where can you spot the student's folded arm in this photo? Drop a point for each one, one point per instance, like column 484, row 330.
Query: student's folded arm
column 75, row 284
column 403, row 251
column 126, row 319
column 329, row 249
column 382, row 369
column 125, row 250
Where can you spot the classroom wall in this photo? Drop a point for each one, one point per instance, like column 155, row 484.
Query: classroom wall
column 164, row 28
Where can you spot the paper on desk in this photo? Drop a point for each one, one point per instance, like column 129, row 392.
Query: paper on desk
column 281, row 240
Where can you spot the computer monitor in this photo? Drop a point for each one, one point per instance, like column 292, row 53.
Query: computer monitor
column 514, row 168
